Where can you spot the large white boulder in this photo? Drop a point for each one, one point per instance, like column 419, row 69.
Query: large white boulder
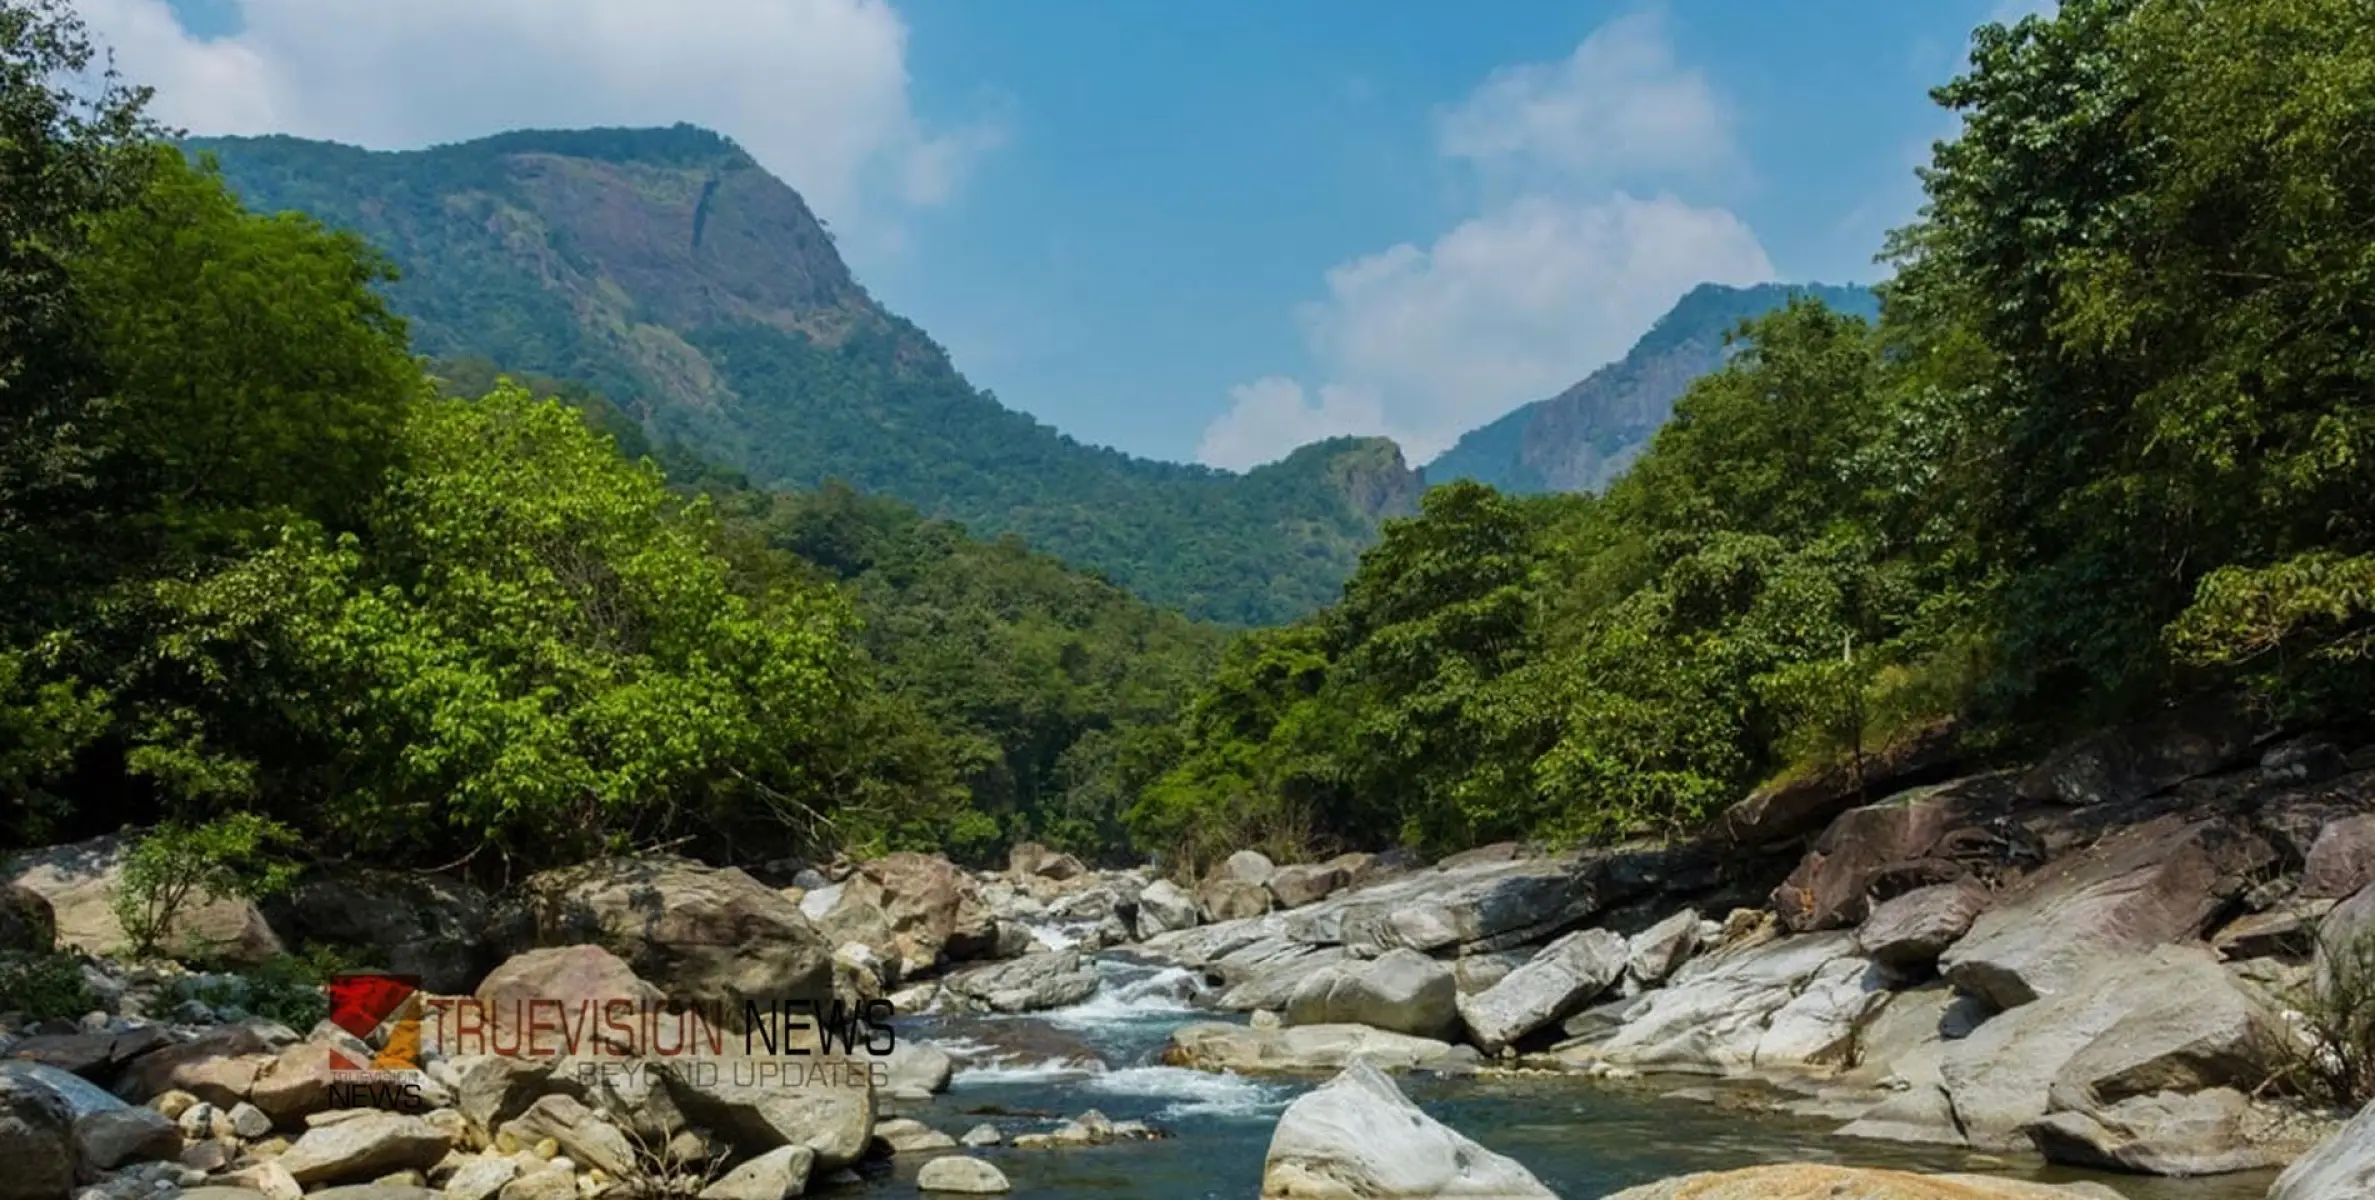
column 1565, row 976
column 1358, row 1138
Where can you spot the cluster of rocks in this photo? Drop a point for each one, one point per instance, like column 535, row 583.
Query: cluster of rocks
column 2099, row 958
column 151, row 1093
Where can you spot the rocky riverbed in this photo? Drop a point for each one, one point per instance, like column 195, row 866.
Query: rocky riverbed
column 2090, row 969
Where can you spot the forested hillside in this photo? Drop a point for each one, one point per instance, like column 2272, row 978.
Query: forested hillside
column 667, row 270
column 1585, row 436
column 2110, row 442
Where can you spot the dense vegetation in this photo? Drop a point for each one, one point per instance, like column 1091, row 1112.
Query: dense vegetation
column 258, row 568
column 667, row 270
column 1583, row 438
column 2109, row 442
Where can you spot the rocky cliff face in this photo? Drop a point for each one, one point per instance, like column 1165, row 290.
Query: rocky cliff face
column 1587, row 435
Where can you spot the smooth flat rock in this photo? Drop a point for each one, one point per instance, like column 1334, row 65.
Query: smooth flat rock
column 1805, row 1181
column 1215, row 1046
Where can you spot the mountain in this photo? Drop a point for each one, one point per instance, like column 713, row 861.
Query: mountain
column 666, row 269
column 1585, row 436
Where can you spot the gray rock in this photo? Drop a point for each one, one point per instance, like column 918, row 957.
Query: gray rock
column 711, row 935
column 2166, row 1133
column 583, row 1136
column 919, row 1066
column 1164, row 907
column 1296, row 886
column 1215, row 1046
column 984, row 1134
column 1661, row 949
column 1565, row 976
column 2342, row 1165
column 1225, row 898
column 823, row 1103
column 2341, row 860
column 774, row 1175
column 2143, row 886
column 1915, row 928
column 906, row 1135
column 483, row 1175
column 125, row 1135
column 1476, row 972
column 962, row 1176
column 1402, row 991
column 490, row 1089
column 1247, row 866
column 36, row 1141
column 363, row 1147
column 1272, row 983
column 2132, row 761
column 1357, row 1135
column 1031, row 858
column 1033, row 983
column 1716, row 1014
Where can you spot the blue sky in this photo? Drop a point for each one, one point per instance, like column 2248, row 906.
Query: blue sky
column 1206, row 230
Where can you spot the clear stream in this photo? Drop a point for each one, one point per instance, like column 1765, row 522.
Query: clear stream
column 1584, row 1138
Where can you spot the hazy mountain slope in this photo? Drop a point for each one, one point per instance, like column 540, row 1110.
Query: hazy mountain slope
column 667, row 269
column 1581, row 438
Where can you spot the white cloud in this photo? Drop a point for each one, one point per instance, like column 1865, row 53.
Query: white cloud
column 1619, row 105
column 1423, row 343
column 816, row 90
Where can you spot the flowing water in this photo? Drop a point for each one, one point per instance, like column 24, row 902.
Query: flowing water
column 1584, row 1138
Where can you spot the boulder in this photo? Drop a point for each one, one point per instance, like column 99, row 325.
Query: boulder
column 1717, row 1013
column 26, row 921
column 80, row 880
column 1294, row 887
column 2131, row 761
column 1402, row 991
column 2342, row 1165
column 1033, row 859
column 1228, row 899
column 710, row 935
column 36, row 1141
column 411, row 924
column 1272, row 983
column 1033, row 983
column 1476, row 972
column 586, row 1138
column 916, row 911
column 1246, row 866
column 219, row 1066
column 1474, row 909
column 906, row 1135
column 1808, row 1181
column 97, row 1054
column 2288, row 933
column 1656, row 952
column 1568, row 974
column 914, row 1066
column 364, row 1147
column 482, row 1177
column 2139, row 887
column 1164, row 907
column 1216, row 1046
column 490, row 1089
column 2168, row 1020
column 1913, row 929
column 963, row 1176
column 774, row 1175
column 129, row 1134
column 1880, row 850
column 1358, row 1136
column 2165, row 1133
column 533, row 987
column 2341, row 860
column 1792, row 808
column 823, row 1102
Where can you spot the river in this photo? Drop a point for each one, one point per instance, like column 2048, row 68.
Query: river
column 1584, row 1138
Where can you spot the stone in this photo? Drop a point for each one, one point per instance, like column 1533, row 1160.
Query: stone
column 2341, row 860
column 1715, row 1014
column 2342, row 1165
column 96, row 1054
column 1296, row 886
column 2170, row 1019
column 984, row 1134
column 27, row 923
column 1656, row 952
column 297, row 1083
column 1913, row 929
column 1031, row 858
column 1229, row 899
column 125, row 1135
column 1358, row 1136
column 1033, row 983
column 2286, row 933
column 490, row 1089
column 249, row 1122
column 825, row 1103
column 1246, row 866
column 1163, row 907
column 36, row 1141
column 402, row 921
column 1402, row 991
column 1810, row 1181
column 80, row 881
column 1478, row 908
column 905, row 1135
column 1879, row 850
column 531, row 987
column 916, row 911
column 550, row 1183
column 364, row 1147
column 1476, row 972
column 483, row 1176
column 582, row 1135
column 1217, row 1046
column 1567, row 974
column 920, row 1066
column 774, row 1175
column 273, row 1182
column 2166, row 1133
column 1271, row 983
column 219, row 1066
column 2131, row 761
column 961, row 1175
column 2142, row 886
column 710, row 935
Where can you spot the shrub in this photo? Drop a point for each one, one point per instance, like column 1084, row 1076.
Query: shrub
column 2334, row 1056
column 44, row 985
column 241, row 855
